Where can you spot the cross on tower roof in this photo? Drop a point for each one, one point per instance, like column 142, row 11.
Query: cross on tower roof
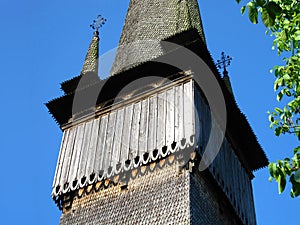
column 224, row 62
column 98, row 23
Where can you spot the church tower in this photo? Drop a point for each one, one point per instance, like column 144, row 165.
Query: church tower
column 161, row 141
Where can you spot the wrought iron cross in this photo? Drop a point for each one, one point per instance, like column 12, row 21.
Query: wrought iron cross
column 98, row 23
column 224, row 62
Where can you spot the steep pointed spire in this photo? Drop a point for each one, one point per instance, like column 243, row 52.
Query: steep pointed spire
column 156, row 20
column 223, row 63
column 227, row 82
column 91, row 62
column 92, row 56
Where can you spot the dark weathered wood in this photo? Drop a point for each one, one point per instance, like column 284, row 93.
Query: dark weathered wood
column 226, row 169
column 170, row 120
column 100, row 153
column 161, row 120
column 90, row 168
column 152, row 126
column 134, row 142
column 126, row 132
column 67, row 158
column 107, row 162
column 152, row 122
column 118, row 137
column 61, row 156
column 76, row 155
column 143, row 131
column 179, row 127
column 84, row 152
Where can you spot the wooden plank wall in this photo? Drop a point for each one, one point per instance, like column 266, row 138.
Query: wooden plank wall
column 140, row 132
column 98, row 148
column 226, row 169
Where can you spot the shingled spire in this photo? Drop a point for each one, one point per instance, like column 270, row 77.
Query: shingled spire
column 89, row 72
column 223, row 63
column 157, row 20
column 92, row 56
column 91, row 59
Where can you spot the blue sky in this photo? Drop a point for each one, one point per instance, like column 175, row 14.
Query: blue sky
column 44, row 43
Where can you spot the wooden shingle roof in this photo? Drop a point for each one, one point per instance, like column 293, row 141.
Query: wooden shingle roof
column 148, row 21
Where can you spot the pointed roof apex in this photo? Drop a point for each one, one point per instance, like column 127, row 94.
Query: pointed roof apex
column 92, row 56
column 91, row 62
column 91, row 59
column 227, row 82
column 222, row 64
column 154, row 20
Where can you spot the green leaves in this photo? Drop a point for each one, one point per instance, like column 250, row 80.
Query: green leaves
column 295, row 192
column 243, row 9
column 273, row 170
column 278, row 110
column 260, row 2
column 297, row 35
column 282, row 18
column 267, row 18
column 252, row 12
column 281, row 183
column 277, row 172
column 283, row 168
column 279, row 96
column 273, row 9
column 297, row 176
column 269, row 11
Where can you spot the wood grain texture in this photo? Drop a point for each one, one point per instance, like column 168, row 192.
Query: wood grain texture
column 95, row 148
column 102, row 146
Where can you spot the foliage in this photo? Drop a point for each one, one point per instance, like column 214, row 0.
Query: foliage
column 282, row 18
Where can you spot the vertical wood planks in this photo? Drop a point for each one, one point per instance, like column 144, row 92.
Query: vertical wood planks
column 77, row 151
column 97, row 146
column 179, row 126
column 116, row 151
column 109, row 140
column 201, row 124
column 61, row 156
column 197, row 114
column 90, row 168
column 68, row 156
column 236, row 182
column 152, row 125
column 100, row 152
column 143, row 132
column 134, row 139
column 225, row 169
column 126, row 132
column 84, row 149
column 161, row 120
column 230, row 164
column 170, row 117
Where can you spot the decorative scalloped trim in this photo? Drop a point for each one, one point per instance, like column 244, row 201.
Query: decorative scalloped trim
column 125, row 166
column 64, row 201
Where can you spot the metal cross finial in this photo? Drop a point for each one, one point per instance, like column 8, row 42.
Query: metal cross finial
column 98, row 23
column 224, row 62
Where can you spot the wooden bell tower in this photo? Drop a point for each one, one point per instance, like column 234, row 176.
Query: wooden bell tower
column 133, row 143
